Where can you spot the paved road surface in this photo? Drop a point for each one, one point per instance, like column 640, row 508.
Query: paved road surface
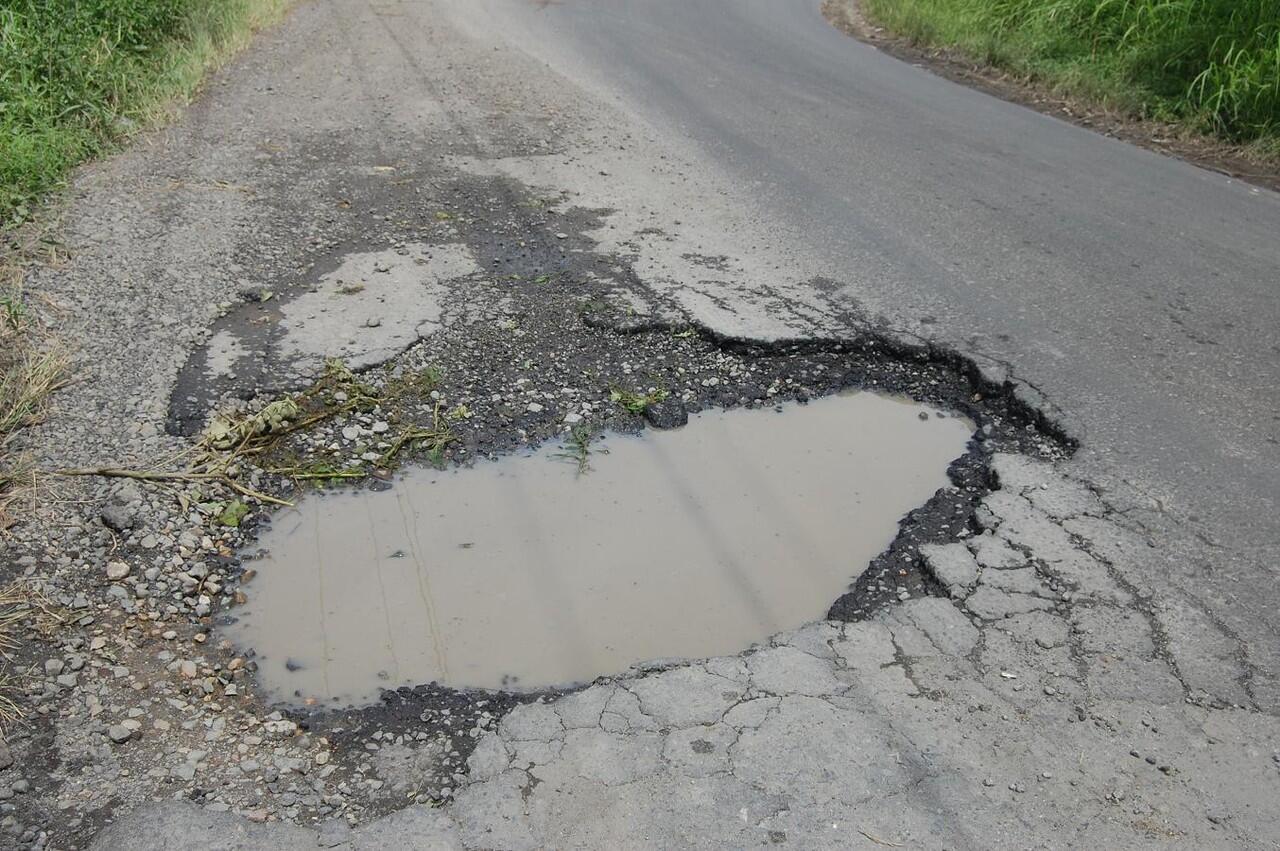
column 1107, row 673
column 1139, row 293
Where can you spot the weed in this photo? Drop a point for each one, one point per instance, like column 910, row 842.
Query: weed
column 634, row 402
column 232, row 514
column 26, row 381
column 17, row 479
column 421, row 381
column 24, row 608
column 577, row 448
column 319, row 470
column 433, row 440
column 13, row 311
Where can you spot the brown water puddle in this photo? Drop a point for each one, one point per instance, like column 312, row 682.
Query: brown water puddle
column 522, row 574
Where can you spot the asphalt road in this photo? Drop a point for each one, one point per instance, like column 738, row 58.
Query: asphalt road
column 1139, row 293
column 1100, row 674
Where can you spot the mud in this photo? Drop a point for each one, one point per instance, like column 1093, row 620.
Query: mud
column 547, row 569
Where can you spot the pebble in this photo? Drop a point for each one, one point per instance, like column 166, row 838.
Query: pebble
column 119, row 733
column 117, row 570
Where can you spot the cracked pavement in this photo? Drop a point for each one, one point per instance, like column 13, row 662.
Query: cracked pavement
column 1088, row 658
column 1019, row 714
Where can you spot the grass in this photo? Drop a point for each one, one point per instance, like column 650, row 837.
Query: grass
column 25, row 383
column 635, row 402
column 577, row 448
column 23, row 608
column 32, row 367
column 1212, row 66
column 77, row 77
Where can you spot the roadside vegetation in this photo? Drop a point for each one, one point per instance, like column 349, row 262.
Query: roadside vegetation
column 77, row 77
column 32, row 367
column 1212, row 66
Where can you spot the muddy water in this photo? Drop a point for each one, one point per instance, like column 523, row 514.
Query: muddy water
column 521, row 573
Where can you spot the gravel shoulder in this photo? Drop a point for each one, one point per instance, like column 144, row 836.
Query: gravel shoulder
column 1011, row 671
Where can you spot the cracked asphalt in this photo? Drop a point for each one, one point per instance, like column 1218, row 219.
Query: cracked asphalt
column 1074, row 646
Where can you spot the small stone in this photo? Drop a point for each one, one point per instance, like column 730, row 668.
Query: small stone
column 281, row 727
column 535, row 408
column 121, row 511
column 185, row 771
column 68, row 680
column 117, row 570
column 53, row 667
column 666, row 413
column 351, row 432
column 952, row 565
column 119, row 733
column 372, row 322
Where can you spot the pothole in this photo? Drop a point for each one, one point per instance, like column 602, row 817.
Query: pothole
column 530, row 572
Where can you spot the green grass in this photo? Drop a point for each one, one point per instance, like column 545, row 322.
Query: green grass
column 635, row 402
column 78, row 76
column 1211, row 65
column 577, row 448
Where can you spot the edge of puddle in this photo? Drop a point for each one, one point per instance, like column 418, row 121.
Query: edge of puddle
column 1026, row 420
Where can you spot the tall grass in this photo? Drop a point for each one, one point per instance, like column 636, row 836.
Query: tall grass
column 76, row 76
column 1211, row 64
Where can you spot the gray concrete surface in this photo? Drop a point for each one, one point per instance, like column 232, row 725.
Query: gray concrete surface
column 1106, row 672
column 1137, row 292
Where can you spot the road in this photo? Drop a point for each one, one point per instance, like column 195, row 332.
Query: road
column 509, row 204
column 1139, row 293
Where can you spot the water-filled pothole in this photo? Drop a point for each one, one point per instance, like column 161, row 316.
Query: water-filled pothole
column 521, row 573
